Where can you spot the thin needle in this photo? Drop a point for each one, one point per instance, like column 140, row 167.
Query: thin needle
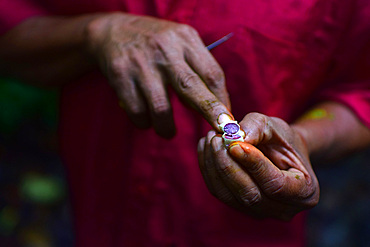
column 220, row 41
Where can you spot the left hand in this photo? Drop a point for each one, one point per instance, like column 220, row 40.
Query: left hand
column 267, row 175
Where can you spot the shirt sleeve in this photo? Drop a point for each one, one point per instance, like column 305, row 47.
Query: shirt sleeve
column 350, row 84
column 12, row 12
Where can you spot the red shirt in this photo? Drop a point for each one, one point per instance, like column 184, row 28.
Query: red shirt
column 129, row 187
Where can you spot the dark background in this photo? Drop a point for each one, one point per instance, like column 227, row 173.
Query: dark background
column 34, row 206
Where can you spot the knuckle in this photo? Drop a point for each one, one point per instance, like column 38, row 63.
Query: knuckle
column 263, row 123
column 258, row 118
column 215, row 79
column 209, row 105
column 186, row 81
column 257, row 168
column 156, row 41
column 275, row 187
column 210, row 137
column 313, row 202
column 117, row 68
column 187, row 33
column 225, row 169
column 184, row 28
column 250, row 197
column 161, row 107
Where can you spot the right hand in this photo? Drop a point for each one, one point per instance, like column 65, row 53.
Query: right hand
column 139, row 55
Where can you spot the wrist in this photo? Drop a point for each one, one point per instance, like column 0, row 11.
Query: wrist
column 302, row 134
column 92, row 34
column 99, row 26
column 334, row 132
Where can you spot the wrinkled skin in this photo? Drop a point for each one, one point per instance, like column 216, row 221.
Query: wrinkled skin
column 140, row 55
column 267, row 175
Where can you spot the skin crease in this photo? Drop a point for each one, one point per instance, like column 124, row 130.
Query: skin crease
column 139, row 55
column 268, row 175
column 277, row 182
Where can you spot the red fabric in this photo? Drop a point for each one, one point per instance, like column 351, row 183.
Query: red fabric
column 13, row 12
column 349, row 76
column 131, row 188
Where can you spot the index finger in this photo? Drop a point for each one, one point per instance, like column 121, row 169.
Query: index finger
column 192, row 89
column 210, row 72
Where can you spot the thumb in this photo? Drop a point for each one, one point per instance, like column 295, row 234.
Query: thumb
column 273, row 181
column 255, row 162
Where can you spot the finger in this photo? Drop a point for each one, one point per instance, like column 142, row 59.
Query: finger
column 200, row 151
column 272, row 181
column 239, row 183
column 210, row 175
column 204, row 64
column 132, row 100
column 248, row 195
column 257, row 128
column 261, row 129
column 206, row 167
column 201, row 159
column 274, row 138
column 152, row 86
column 193, row 90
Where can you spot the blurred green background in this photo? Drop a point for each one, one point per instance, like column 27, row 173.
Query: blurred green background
column 34, row 206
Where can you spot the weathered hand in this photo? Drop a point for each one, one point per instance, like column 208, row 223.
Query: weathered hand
column 139, row 55
column 268, row 175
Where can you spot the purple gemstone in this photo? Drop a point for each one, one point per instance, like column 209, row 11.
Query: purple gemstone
column 231, row 128
column 232, row 137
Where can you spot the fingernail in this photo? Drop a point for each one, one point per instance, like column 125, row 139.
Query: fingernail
column 236, row 150
column 216, row 143
column 234, row 144
column 223, row 117
column 242, row 132
column 201, row 144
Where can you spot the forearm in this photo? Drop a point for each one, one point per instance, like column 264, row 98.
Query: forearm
column 333, row 132
column 46, row 50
